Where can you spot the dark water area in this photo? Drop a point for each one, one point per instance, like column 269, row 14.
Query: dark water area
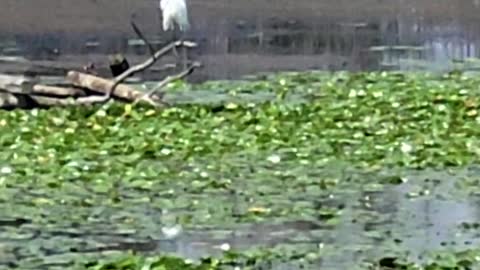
column 235, row 46
column 427, row 213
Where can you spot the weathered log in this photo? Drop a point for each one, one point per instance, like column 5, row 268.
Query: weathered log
column 16, row 84
column 19, row 101
column 51, row 101
column 102, row 85
column 48, row 90
column 9, row 101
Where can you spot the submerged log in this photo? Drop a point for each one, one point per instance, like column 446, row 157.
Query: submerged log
column 103, row 86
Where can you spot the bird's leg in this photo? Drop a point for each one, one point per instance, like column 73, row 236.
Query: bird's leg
column 184, row 55
column 174, row 35
column 185, row 58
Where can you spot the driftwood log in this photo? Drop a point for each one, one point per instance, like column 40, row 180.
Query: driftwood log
column 102, row 86
column 49, row 90
column 84, row 89
column 24, row 92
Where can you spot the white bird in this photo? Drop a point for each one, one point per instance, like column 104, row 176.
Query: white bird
column 174, row 12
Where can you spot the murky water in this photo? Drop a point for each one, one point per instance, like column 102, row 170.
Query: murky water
column 427, row 213
column 237, row 45
column 418, row 217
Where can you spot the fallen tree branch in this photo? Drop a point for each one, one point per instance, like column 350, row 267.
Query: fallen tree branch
column 149, row 62
column 164, row 68
column 142, row 37
column 51, row 101
column 41, row 89
column 140, row 67
column 155, row 55
column 15, row 101
column 90, row 100
column 168, row 80
column 102, row 85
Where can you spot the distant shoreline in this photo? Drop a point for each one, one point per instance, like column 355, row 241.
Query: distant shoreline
column 228, row 32
column 73, row 16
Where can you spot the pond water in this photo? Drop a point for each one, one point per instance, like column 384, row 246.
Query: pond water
column 358, row 220
column 404, row 37
column 360, row 223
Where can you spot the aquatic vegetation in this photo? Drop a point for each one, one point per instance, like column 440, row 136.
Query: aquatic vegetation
column 263, row 260
column 301, row 154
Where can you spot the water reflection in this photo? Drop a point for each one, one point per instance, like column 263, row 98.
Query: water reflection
column 423, row 215
column 233, row 47
column 413, row 219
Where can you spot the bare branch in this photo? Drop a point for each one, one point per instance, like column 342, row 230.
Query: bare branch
column 142, row 37
column 170, row 79
column 154, row 57
column 164, row 67
column 140, row 67
column 148, row 96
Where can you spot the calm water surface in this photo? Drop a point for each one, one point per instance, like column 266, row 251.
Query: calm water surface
column 234, row 46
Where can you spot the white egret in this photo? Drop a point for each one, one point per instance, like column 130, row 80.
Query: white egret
column 174, row 13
